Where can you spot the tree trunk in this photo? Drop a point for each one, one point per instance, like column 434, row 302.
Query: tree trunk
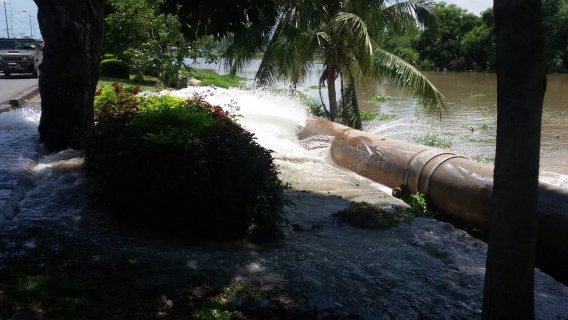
column 73, row 34
column 331, row 94
column 521, row 84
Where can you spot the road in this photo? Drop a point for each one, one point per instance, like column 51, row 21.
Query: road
column 11, row 86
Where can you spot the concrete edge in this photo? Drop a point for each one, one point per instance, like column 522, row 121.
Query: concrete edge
column 20, row 100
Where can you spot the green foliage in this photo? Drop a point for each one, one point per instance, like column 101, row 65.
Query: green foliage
column 461, row 40
column 221, row 19
column 420, row 205
column 478, row 48
column 427, row 64
column 182, row 167
column 555, row 24
column 367, row 216
column 315, row 106
column 108, row 56
column 115, row 68
column 433, row 140
column 368, row 116
column 151, row 42
column 380, row 99
column 407, row 54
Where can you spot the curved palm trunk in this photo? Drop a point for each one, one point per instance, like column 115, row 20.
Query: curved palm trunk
column 521, row 84
column 332, row 94
column 73, row 34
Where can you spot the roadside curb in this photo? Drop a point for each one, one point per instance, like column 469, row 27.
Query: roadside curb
column 20, row 100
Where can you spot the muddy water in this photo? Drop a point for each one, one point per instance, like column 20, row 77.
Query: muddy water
column 472, row 114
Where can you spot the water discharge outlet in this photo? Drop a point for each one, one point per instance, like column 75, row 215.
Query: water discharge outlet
column 456, row 186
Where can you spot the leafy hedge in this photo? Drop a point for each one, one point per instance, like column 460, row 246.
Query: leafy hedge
column 115, row 68
column 181, row 166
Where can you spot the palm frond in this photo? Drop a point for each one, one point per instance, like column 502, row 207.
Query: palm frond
column 350, row 26
column 245, row 47
column 349, row 107
column 398, row 17
column 397, row 71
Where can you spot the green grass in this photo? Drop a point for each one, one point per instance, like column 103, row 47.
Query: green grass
column 475, row 95
column 153, row 84
column 214, row 79
column 433, row 140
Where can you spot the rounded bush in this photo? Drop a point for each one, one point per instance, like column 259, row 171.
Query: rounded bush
column 182, row 166
column 115, row 68
column 107, row 56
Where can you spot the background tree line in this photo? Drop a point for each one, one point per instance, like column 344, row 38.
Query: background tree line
column 464, row 41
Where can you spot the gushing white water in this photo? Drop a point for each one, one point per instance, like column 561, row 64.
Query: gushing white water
column 276, row 120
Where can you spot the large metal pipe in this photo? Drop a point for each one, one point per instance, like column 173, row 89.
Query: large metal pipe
column 456, row 186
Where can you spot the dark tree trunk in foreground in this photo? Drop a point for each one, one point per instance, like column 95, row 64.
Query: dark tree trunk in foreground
column 521, row 84
column 73, row 34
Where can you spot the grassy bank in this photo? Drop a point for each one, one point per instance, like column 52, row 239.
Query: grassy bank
column 153, row 84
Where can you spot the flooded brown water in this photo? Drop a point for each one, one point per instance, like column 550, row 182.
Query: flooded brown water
column 472, row 113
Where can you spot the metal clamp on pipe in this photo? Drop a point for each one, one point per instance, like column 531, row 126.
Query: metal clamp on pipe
column 417, row 163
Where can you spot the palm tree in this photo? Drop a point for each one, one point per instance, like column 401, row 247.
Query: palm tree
column 347, row 35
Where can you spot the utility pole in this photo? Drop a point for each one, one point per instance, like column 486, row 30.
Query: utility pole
column 6, row 15
column 31, row 29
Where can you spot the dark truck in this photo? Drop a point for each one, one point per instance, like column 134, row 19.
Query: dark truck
column 20, row 56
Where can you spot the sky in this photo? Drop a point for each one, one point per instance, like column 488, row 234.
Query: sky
column 20, row 21
column 472, row 6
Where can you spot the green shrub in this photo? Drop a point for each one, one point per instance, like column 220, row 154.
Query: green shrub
column 420, row 205
column 183, row 167
column 115, row 68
